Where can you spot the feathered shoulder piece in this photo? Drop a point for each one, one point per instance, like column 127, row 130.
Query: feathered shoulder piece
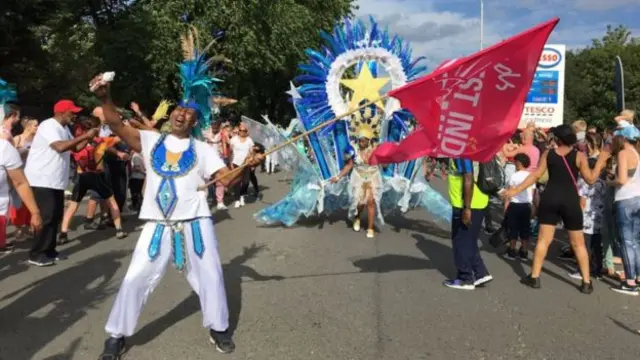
column 198, row 84
column 7, row 94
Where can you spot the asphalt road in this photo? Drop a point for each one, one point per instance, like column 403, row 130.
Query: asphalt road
column 315, row 291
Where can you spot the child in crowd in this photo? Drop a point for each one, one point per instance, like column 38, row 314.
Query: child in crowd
column 136, row 181
column 518, row 210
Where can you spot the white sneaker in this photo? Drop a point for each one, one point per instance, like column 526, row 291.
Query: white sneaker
column 221, row 206
column 483, row 280
column 241, row 200
column 370, row 233
column 356, row 225
column 237, row 204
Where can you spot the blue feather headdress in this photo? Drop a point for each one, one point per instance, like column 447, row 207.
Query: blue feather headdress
column 7, row 94
column 198, row 86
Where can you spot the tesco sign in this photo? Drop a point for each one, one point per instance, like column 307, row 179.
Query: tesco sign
column 545, row 100
column 550, row 58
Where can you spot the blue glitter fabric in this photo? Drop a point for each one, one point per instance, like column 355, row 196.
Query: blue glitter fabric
column 167, row 197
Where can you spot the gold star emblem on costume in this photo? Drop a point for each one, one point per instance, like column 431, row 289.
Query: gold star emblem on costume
column 365, row 87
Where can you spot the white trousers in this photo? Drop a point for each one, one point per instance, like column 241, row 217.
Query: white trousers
column 203, row 274
column 271, row 161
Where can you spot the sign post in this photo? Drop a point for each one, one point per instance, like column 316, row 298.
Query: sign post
column 619, row 85
column 545, row 101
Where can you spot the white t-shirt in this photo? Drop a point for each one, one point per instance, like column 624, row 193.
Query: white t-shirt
column 9, row 160
column 45, row 167
column 526, row 196
column 240, row 149
column 191, row 203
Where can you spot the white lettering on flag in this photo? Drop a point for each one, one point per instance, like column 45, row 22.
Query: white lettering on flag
column 504, row 74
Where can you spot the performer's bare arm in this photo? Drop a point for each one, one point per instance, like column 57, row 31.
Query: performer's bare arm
column 128, row 134
column 75, row 144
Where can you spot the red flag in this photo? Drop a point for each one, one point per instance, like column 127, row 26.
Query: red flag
column 471, row 106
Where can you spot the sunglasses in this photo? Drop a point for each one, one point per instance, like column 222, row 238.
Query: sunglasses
column 243, row 130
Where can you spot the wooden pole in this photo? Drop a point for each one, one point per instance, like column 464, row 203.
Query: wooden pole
column 294, row 139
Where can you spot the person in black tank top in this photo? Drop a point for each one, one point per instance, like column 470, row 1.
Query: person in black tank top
column 560, row 201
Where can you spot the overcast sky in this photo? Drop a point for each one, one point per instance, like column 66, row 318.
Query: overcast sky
column 445, row 29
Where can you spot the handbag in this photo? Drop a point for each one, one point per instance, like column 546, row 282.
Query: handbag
column 583, row 200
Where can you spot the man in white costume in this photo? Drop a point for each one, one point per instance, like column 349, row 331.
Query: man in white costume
column 179, row 225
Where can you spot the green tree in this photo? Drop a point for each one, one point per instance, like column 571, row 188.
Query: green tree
column 52, row 48
column 589, row 85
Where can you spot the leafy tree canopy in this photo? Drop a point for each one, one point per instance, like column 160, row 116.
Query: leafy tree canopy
column 51, row 48
column 589, row 82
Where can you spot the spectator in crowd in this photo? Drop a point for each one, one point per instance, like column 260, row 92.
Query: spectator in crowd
column 47, row 170
column 593, row 210
column 11, row 172
column 518, row 211
column 241, row 146
column 136, row 180
column 11, row 118
column 627, row 205
column 557, row 203
column 91, row 176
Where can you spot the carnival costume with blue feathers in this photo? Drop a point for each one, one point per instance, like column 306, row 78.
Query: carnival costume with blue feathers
column 320, row 97
column 7, row 95
column 179, row 226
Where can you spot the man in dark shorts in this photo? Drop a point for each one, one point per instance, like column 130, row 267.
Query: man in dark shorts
column 91, row 176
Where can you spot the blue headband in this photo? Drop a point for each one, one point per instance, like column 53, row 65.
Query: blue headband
column 630, row 132
column 189, row 104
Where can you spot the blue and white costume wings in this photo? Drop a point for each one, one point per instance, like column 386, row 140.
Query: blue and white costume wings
column 326, row 90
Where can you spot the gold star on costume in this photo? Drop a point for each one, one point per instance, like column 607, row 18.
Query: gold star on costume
column 365, row 87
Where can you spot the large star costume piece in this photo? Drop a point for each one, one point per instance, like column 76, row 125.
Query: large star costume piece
column 365, row 87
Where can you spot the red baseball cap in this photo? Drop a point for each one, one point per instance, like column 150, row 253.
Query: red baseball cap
column 66, row 105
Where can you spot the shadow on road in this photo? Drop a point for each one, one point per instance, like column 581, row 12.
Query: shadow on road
column 624, row 326
column 48, row 307
column 16, row 262
column 438, row 258
column 234, row 271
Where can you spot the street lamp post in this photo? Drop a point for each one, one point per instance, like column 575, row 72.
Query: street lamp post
column 481, row 24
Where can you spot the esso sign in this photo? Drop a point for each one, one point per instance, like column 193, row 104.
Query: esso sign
column 539, row 110
column 550, row 58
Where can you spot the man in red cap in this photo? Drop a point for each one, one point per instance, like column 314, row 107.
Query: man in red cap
column 47, row 169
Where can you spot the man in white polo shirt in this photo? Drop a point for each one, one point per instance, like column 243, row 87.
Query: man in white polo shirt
column 47, row 170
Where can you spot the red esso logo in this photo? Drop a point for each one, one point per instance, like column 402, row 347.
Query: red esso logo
column 539, row 110
column 549, row 58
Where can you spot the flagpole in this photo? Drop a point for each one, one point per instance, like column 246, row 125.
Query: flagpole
column 481, row 24
column 294, row 139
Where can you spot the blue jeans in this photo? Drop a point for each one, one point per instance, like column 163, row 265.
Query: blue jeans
column 466, row 254
column 628, row 221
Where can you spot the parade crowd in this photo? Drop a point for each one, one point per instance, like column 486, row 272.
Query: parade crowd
column 577, row 177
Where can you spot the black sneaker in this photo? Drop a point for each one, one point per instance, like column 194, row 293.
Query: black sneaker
column 113, row 349
column 63, row 238
column 523, row 254
column 41, row 261
column 7, row 249
column 531, row 282
column 626, row 289
column 222, row 340
column 566, row 254
column 586, row 288
column 93, row 225
column 57, row 257
column 511, row 254
column 121, row 234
